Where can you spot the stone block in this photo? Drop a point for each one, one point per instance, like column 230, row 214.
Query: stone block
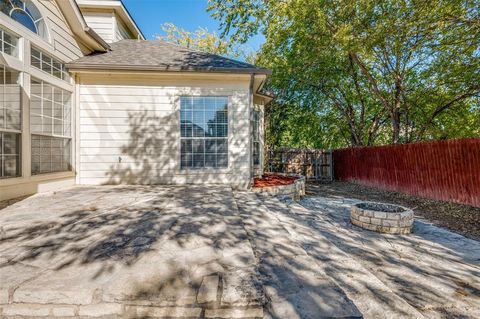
column 102, row 309
column 168, row 312
column 364, row 219
column 234, row 313
column 63, row 311
column 4, row 296
column 208, row 289
column 394, row 216
column 26, row 310
column 380, row 215
column 405, row 223
column 376, row 221
column 389, row 223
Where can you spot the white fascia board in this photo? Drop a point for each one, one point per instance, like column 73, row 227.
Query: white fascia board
column 79, row 27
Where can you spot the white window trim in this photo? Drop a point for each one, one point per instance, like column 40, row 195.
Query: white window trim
column 204, row 170
column 26, row 32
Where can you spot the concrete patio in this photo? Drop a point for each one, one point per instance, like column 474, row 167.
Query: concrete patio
column 210, row 252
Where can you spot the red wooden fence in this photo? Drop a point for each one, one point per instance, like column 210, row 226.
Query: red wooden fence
column 446, row 170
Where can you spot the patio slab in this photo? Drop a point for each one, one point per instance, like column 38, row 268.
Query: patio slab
column 125, row 251
column 431, row 273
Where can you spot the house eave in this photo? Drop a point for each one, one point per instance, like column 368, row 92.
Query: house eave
column 77, row 23
column 79, row 68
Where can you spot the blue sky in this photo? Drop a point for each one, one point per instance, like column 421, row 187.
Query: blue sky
column 187, row 14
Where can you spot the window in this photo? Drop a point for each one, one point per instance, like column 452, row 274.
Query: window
column 50, row 154
column 50, row 109
column 204, row 132
column 48, row 64
column 10, row 123
column 50, row 124
column 256, row 137
column 27, row 14
column 9, row 43
column 9, row 154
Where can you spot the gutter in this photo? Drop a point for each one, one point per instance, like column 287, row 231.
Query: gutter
column 75, row 20
column 163, row 68
column 97, row 38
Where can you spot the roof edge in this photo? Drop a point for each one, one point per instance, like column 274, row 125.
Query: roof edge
column 78, row 67
column 77, row 24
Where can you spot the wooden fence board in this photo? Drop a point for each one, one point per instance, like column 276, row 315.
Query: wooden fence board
column 445, row 170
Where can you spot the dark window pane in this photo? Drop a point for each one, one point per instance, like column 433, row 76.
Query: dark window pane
column 210, row 160
column 186, row 146
column 222, row 146
column 50, row 154
column 186, row 130
column 198, row 146
column 198, row 160
column 198, row 131
column 22, row 17
column 222, row 161
column 9, row 155
column 186, row 161
column 210, row 146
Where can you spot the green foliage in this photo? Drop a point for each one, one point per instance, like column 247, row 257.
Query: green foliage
column 362, row 72
column 203, row 40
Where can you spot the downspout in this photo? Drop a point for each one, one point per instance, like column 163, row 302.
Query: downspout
column 250, row 113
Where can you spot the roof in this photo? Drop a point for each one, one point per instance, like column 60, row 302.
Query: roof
column 142, row 55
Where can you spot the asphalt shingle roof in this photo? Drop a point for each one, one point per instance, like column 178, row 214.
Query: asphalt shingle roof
column 161, row 56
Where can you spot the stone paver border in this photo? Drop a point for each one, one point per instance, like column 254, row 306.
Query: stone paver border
column 295, row 190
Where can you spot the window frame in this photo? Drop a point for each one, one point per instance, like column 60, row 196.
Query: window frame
column 16, row 48
column 51, row 61
column 52, row 117
column 227, row 138
column 256, row 138
column 17, row 132
column 51, row 134
column 35, row 14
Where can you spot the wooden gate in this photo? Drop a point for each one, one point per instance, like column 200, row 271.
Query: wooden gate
column 313, row 164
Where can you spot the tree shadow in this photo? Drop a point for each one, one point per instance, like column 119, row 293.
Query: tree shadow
column 143, row 241
column 427, row 269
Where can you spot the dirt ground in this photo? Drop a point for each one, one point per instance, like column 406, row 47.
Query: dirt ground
column 462, row 219
column 8, row 202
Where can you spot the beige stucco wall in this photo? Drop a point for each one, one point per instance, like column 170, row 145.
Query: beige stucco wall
column 129, row 128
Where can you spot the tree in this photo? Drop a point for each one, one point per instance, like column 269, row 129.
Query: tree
column 389, row 71
column 203, row 40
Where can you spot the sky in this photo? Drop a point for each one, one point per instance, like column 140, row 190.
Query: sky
column 186, row 14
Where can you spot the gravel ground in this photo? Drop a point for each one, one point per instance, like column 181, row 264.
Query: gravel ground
column 462, row 219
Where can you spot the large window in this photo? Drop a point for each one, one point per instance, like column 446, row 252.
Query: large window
column 204, row 132
column 48, row 64
column 10, row 123
column 27, row 14
column 50, row 124
column 256, row 137
column 8, row 43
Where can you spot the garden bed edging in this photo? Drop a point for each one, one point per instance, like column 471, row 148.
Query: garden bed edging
column 296, row 190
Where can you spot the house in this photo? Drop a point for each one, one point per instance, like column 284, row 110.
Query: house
column 85, row 99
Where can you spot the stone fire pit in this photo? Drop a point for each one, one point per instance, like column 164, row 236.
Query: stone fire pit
column 382, row 218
